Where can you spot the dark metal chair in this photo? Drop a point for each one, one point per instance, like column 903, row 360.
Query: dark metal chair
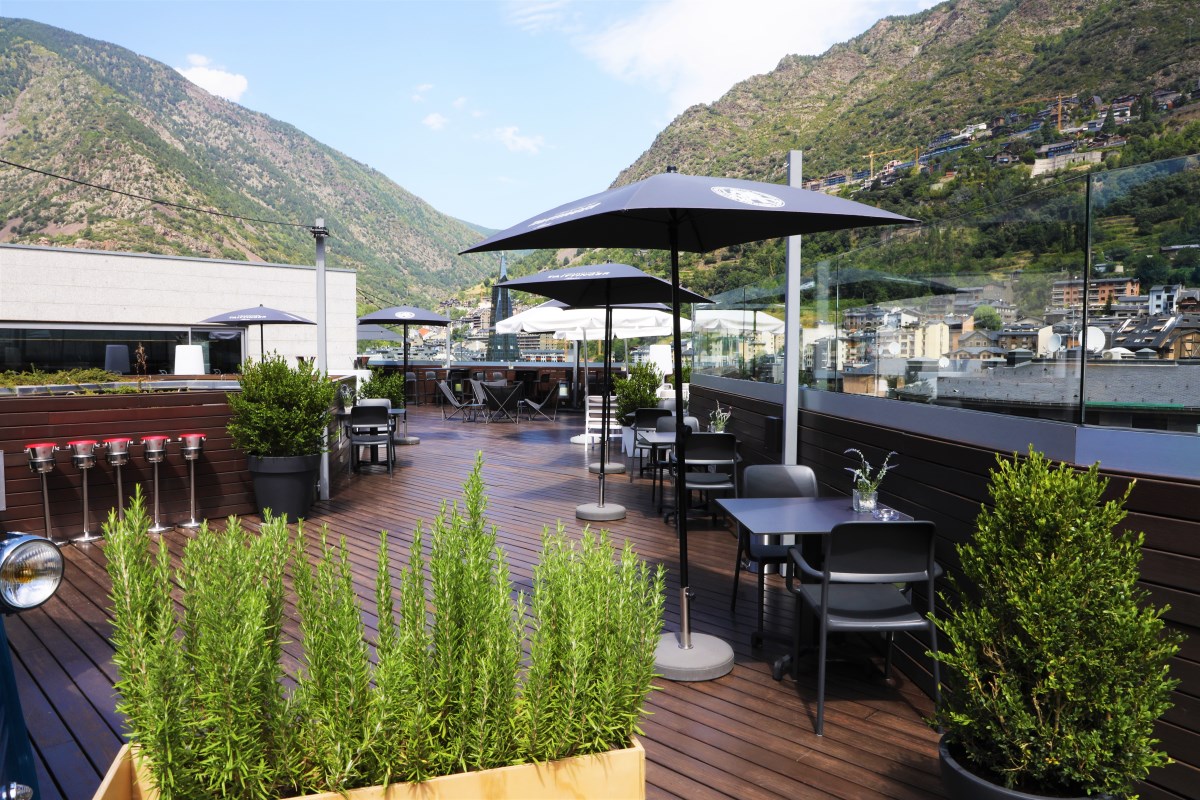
column 856, row 589
column 767, row 480
column 370, row 426
column 644, row 419
column 710, row 465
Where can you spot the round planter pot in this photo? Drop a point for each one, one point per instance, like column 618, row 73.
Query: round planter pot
column 963, row 785
column 284, row 484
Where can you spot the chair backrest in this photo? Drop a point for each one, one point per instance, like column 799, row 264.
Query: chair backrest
column 711, row 447
column 450, row 398
column 499, row 376
column 647, row 418
column 375, row 401
column 477, row 390
column 880, row 552
column 667, row 424
column 779, row 480
column 372, row 415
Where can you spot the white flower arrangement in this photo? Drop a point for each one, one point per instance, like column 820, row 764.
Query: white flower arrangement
column 866, row 478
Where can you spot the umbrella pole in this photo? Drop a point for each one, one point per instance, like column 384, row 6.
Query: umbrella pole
column 599, row 512
column 406, row 439
column 685, row 657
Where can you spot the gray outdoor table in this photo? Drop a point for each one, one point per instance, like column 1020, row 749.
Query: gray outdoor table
column 794, row 516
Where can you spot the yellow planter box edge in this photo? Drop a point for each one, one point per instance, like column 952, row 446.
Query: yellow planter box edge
column 617, row 774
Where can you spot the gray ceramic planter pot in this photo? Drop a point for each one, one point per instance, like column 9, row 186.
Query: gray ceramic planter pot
column 963, row 785
column 284, row 484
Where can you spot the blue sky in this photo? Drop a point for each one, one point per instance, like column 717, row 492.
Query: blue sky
column 490, row 110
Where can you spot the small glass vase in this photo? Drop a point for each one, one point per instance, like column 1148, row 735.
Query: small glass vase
column 864, row 503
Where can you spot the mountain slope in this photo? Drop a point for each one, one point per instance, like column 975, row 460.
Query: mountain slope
column 101, row 114
column 909, row 78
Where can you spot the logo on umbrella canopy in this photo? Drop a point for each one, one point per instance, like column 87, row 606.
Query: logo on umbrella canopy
column 247, row 316
column 538, row 223
column 405, row 315
column 748, row 197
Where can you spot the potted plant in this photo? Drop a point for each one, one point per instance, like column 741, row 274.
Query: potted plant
column 459, row 694
column 639, row 390
column 1056, row 667
column 384, row 384
column 865, row 495
column 719, row 418
column 279, row 419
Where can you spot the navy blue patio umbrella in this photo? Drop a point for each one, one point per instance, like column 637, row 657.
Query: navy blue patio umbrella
column 406, row 315
column 604, row 286
column 695, row 214
column 259, row 315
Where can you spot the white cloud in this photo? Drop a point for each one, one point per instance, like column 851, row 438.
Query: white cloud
column 215, row 80
column 540, row 16
column 435, row 121
column 516, row 143
column 693, row 51
column 419, row 92
column 460, row 102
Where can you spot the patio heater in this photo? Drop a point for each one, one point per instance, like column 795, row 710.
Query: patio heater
column 156, row 451
column 83, row 456
column 117, row 455
column 41, row 461
column 193, row 445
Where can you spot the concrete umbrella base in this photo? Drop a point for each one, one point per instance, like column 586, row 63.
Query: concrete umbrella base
column 707, row 659
column 594, row 512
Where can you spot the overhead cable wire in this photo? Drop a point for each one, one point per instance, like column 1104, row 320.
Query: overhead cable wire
column 156, row 200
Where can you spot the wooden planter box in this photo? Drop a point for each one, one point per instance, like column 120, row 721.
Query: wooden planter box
column 615, row 774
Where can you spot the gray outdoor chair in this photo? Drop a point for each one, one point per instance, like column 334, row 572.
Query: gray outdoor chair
column 370, row 426
column 856, row 589
column 547, row 408
column 767, row 480
column 710, row 465
column 464, row 411
column 644, row 419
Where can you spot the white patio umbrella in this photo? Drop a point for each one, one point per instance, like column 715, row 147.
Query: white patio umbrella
column 735, row 320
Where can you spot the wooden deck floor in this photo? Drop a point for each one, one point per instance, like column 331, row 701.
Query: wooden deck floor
column 742, row 736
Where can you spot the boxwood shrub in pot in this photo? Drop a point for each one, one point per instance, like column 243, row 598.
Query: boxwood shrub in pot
column 1056, row 666
column 279, row 419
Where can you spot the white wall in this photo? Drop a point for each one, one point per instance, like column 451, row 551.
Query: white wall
column 64, row 286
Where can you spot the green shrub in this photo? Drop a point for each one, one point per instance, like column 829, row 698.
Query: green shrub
column 281, row 410
column 384, row 383
column 638, row 390
column 449, row 692
column 1057, row 665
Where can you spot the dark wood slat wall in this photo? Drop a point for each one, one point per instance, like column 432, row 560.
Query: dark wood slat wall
column 223, row 484
column 946, row 482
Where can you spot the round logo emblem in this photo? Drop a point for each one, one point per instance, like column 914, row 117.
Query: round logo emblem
column 405, row 315
column 749, row 197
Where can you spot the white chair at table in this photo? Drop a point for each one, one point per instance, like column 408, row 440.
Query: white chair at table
column 371, row 426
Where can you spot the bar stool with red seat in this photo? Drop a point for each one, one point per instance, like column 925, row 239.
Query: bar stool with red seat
column 193, row 444
column 156, row 451
column 117, row 455
column 41, row 461
column 83, row 456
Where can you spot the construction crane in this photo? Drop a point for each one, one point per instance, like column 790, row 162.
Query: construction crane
column 871, row 155
column 1056, row 98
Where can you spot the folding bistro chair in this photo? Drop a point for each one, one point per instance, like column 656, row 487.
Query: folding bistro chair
column 464, row 411
column 547, row 409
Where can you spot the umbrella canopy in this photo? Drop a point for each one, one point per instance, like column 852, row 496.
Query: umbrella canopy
column 260, row 315
column 734, row 321
column 603, row 285
column 628, row 322
column 695, row 214
column 405, row 315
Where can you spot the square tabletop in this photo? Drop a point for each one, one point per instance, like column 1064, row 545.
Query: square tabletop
column 775, row 516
